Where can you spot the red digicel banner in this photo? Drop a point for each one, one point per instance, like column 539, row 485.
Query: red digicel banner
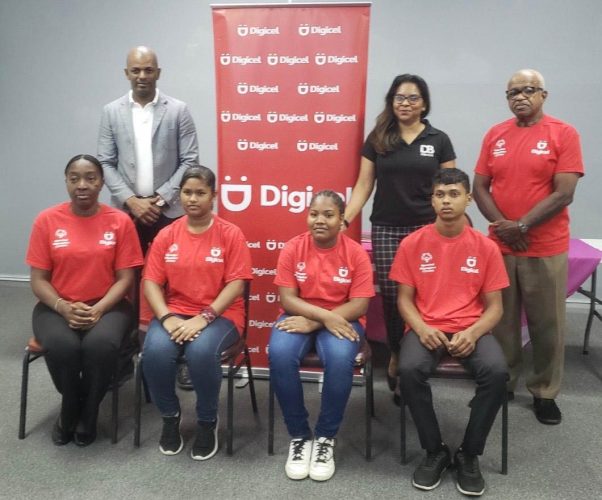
column 291, row 87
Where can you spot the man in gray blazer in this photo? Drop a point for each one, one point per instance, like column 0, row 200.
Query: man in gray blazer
column 146, row 142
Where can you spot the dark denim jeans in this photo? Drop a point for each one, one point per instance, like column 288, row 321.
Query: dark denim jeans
column 286, row 351
column 203, row 357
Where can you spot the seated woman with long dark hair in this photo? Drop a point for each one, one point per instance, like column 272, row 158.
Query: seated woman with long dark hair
column 325, row 283
column 194, row 281
column 82, row 255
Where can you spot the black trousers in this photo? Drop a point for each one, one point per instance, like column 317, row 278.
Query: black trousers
column 487, row 365
column 146, row 234
column 81, row 363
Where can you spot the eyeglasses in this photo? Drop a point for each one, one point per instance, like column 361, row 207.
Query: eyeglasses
column 412, row 98
column 526, row 91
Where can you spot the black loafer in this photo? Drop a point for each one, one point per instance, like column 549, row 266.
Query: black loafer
column 546, row 411
column 60, row 436
column 84, row 438
column 183, row 378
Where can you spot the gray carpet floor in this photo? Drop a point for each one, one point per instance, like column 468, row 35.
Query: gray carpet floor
column 545, row 462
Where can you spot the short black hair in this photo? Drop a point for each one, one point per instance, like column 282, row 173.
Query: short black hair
column 335, row 197
column 202, row 173
column 91, row 159
column 451, row 176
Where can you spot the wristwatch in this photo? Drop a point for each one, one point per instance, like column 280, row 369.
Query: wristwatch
column 522, row 227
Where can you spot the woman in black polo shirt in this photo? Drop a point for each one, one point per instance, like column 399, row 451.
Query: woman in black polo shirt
column 402, row 153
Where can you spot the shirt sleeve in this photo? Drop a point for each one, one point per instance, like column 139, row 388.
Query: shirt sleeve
column 238, row 257
column 129, row 253
column 368, row 151
column 363, row 279
column 447, row 149
column 497, row 277
column 154, row 268
column 38, row 252
column 482, row 166
column 570, row 158
column 400, row 269
column 285, row 272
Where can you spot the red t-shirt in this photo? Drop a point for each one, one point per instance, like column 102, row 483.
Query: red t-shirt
column 325, row 278
column 83, row 253
column 196, row 267
column 449, row 275
column 522, row 162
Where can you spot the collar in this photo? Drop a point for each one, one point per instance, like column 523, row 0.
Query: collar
column 153, row 102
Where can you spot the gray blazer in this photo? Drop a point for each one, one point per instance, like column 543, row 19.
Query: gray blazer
column 174, row 144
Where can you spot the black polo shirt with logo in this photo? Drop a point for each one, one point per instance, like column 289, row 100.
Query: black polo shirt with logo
column 404, row 178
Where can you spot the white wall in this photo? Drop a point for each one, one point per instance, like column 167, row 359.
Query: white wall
column 62, row 60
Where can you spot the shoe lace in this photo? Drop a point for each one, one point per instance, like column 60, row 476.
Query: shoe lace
column 298, row 446
column 433, row 457
column 469, row 463
column 323, row 451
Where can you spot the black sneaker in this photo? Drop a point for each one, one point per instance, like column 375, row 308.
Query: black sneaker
column 171, row 442
column 469, row 478
column 427, row 475
column 60, row 436
column 205, row 445
column 547, row 411
column 183, row 379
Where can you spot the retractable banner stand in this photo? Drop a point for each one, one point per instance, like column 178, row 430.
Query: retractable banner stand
column 291, row 87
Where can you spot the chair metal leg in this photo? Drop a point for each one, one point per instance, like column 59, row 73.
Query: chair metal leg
column 137, row 398
column 24, row 387
column 230, row 431
column 402, row 431
column 271, row 419
column 369, row 408
column 251, row 380
column 505, row 434
column 115, row 407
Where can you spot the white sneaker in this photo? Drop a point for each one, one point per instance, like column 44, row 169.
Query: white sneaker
column 322, row 467
column 299, row 454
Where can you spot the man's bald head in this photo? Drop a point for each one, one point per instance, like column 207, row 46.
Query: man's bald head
column 142, row 71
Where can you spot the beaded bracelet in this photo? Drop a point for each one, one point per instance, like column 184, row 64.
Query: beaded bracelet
column 209, row 314
column 164, row 317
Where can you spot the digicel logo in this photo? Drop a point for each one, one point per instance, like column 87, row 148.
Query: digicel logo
column 244, row 145
column 306, row 29
column 303, row 146
column 226, row 116
column 304, row 88
column 227, row 59
column 275, row 59
column 244, row 30
column 244, row 88
column 238, row 197
column 320, row 117
column 273, row 117
column 321, row 59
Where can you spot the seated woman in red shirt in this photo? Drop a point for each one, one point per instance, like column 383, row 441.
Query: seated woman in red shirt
column 325, row 283
column 82, row 256
column 193, row 281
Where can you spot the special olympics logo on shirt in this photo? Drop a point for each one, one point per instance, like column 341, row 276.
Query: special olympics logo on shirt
column 426, row 257
column 500, row 148
column 214, row 257
column 427, row 266
column 300, row 274
column 61, row 239
column 108, row 239
column 172, row 253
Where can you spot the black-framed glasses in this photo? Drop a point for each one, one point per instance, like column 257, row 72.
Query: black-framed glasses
column 527, row 91
column 412, row 98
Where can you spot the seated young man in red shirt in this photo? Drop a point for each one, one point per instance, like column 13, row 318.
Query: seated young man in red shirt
column 450, row 279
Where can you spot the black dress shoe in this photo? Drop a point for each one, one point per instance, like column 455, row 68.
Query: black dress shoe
column 84, row 438
column 60, row 436
column 546, row 411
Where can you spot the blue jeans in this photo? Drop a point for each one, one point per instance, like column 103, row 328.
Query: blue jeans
column 286, row 351
column 203, row 356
